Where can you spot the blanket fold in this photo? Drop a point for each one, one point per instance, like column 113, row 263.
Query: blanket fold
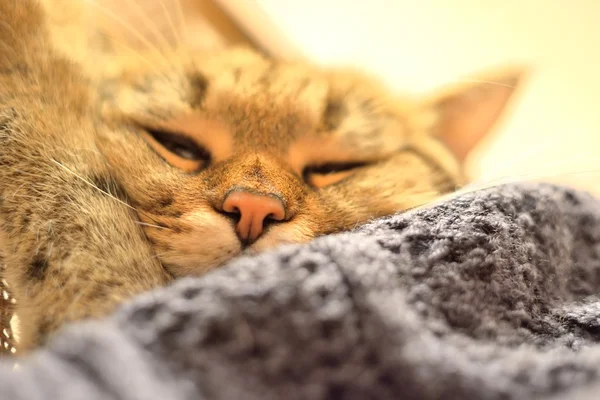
column 490, row 295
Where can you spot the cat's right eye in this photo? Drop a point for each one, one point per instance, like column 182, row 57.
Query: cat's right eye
column 178, row 150
column 328, row 174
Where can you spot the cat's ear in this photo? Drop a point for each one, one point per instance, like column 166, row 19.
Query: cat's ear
column 465, row 113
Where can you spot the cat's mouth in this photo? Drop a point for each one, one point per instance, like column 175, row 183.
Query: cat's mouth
column 260, row 247
column 197, row 264
column 211, row 242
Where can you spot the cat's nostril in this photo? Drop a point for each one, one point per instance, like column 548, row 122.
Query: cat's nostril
column 235, row 216
column 254, row 212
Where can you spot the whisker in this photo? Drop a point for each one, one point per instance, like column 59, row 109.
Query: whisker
column 487, row 82
column 153, row 226
column 146, row 21
column 92, row 185
column 146, row 60
column 176, row 33
column 179, row 10
column 546, row 165
column 136, row 33
column 149, row 216
column 536, row 176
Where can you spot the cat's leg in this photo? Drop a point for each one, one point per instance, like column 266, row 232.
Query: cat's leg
column 71, row 243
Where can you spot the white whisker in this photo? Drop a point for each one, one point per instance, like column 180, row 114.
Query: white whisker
column 136, row 33
column 137, row 53
column 153, row 226
column 487, row 82
column 559, row 163
column 176, row 33
column 146, row 21
column 179, row 10
column 92, row 185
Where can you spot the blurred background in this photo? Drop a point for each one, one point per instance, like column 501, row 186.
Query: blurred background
column 551, row 131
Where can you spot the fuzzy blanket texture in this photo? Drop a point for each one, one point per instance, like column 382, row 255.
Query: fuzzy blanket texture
column 491, row 295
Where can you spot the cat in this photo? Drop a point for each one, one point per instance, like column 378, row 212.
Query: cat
column 119, row 180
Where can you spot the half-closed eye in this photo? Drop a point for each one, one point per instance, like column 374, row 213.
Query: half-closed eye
column 330, row 173
column 178, row 150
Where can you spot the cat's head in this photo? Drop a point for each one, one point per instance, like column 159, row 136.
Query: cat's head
column 231, row 153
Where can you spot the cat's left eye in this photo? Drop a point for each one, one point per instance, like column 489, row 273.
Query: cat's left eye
column 327, row 174
column 179, row 150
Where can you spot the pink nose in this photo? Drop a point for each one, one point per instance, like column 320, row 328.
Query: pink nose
column 253, row 211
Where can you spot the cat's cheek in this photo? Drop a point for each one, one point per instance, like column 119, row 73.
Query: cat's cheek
column 207, row 241
column 289, row 233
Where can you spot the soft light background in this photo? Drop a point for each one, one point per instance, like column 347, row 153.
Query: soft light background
column 552, row 130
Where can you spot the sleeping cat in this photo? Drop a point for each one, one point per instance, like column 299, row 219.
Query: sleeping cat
column 171, row 166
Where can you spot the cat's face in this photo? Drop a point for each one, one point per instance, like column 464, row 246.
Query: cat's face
column 232, row 153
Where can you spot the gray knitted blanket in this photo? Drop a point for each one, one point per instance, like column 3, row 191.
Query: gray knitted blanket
column 488, row 296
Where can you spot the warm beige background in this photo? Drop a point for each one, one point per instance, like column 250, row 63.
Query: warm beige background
column 554, row 130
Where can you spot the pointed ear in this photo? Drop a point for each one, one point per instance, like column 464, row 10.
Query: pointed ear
column 466, row 113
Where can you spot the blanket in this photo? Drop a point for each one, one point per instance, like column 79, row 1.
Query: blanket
column 490, row 295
